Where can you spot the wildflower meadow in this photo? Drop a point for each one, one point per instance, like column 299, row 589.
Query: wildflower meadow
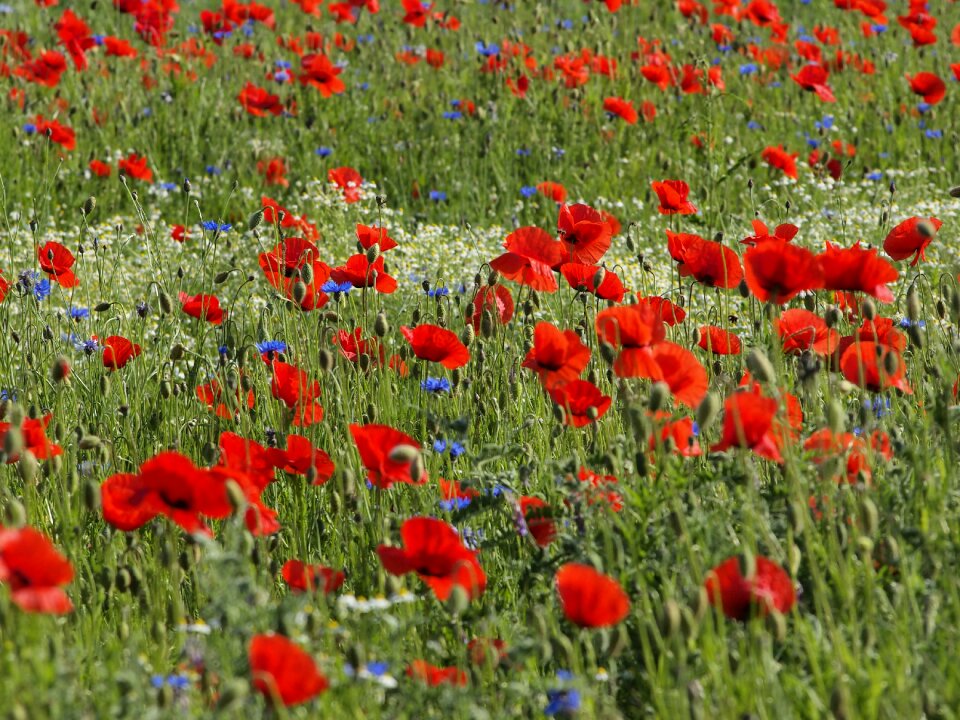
column 479, row 359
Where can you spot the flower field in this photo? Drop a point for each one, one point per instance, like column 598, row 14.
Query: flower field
column 479, row 359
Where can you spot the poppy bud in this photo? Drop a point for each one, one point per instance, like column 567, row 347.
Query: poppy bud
column 840, row 699
column 832, row 316
column 493, row 278
column 707, row 410
column 955, row 192
column 373, row 252
column 14, row 514
column 695, row 697
column 306, row 274
column 893, row 187
column 659, row 396
column 13, row 442
column 176, row 352
column 221, row 277
column 941, row 309
column 748, row 564
column 743, row 289
column 607, row 352
column 235, row 497
column 404, row 454
column 180, row 273
column 458, row 600
column 810, row 302
column 468, row 335
column 232, row 695
column 598, row 276
column 380, row 325
column 364, row 362
column 913, row 304
column 298, row 292
column 486, row 323
column 89, row 205
column 166, row 304
column 166, row 390
column 760, row 366
column 60, row 369
column 794, row 558
column 890, row 362
column 186, row 186
column 869, row 517
column 254, row 221
column 326, row 360
column 89, row 442
column 777, row 625
column 91, row 496
column 28, row 466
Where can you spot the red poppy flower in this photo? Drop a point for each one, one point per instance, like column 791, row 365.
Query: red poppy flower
column 680, row 433
column 274, row 171
column 584, row 233
column 100, row 168
column 857, row 270
column 599, row 490
column 225, row 404
column 780, row 159
column 719, row 341
column 486, row 651
column 782, row 233
column 203, row 307
column 46, row 69
column 875, row 367
column 368, row 236
column 814, row 78
column 302, row 458
column 530, row 258
column 179, row 233
column 495, row 298
column 301, row 577
column 581, row 400
column 928, row 86
column 118, row 351
column 283, row 670
column 436, row 344
column 33, row 431
column 801, row 330
column 557, row 356
column 452, row 490
column 353, row 346
column 56, row 261
column 582, row 278
column 768, row 588
column 318, row 72
column 911, row 237
column 379, row 446
column 433, row 550
column 431, row 674
column 825, row 445
column 552, row 190
column 274, row 212
column 748, row 422
column 361, row 274
column 60, row 134
column 589, row 598
column 668, row 313
column 673, row 197
column 168, row 484
column 538, row 519
column 259, row 102
column 250, row 458
column 291, row 385
column 882, row 331
column 632, row 329
column 135, row 166
column 708, row 261
column 777, row 271
column 621, row 108
column 35, row 571
column 348, row 180
column 680, row 370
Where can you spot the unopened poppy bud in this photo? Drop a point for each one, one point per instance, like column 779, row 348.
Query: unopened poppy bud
column 468, row 335
column 254, row 221
column 592, row 412
column 810, row 302
column 166, row 304
column 177, row 351
column 486, row 323
column 748, row 564
column 707, row 410
column 836, row 417
column 232, row 695
column 599, row 276
column 373, row 252
column 868, row 309
column 890, row 363
column 832, row 316
column 186, row 186
column 458, row 601
column 913, row 304
column 364, row 362
column 607, row 352
column 659, row 396
column 13, row 442
column 893, row 187
column 60, row 370
column 670, row 619
column 926, row 228
column 221, row 277
column 381, row 326
column 28, row 466
column 869, row 517
column 760, row 366
column 166, row 389
column 326, row 360
column 298, row 292
column 89, row 442
column 91, row 496
column 180, row 273
column 306, row 274
column 794, row 558
column 89, row 205
column 14, row 514
column 941, row 309
column 417, row 469
column 955, row 192
column 235, row 497
column 404, row 453
column 493, row 278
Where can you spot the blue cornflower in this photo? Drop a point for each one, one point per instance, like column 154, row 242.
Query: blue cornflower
column 87, row 347
column 282, row 64
column 879, row 405
column 695, row 428
column 456, row 450
column 825, row 124
column 223, row 350
column 754, row 125
column 435, row 385
column 457, row 503
column 487, row 50
column 438, row 292
column 906, row 322
column 453, row 115
column 923, row 107
column 749, row 69
column 439, row 446
column 523, row 152
column 324, row 151
column 213, row 170
column 281, row 76
column 29, row 128
column 168, row 186
column 528, row 190
column 879, row 28
column 562, row 702
column 875, row 175
column 268, row 346
column 214, row 226
column 934, row 134
column 332, row 286
column 559, row 152
column 79, row 313
column 438, row 195
column 41, row 289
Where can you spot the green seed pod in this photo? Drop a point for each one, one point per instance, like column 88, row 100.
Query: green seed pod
column 955, row 192
column 177, row 352
column 166, row 304
column 777, row 625
column 797, row 515
column 868, row 309
column 89, row 205
column 306, row 273
column 221, row 277
column 373, row 252
column 836, row 417
column 832, row 316
column 890, row 363
column 14, row 514
column 493, row 278
column 13, row 442
column 913, row 304
column 659, row 396
column 253, row 222
column 468, row 335
column 166, row 389
column 298, row 292
column 486, row 323
column 381, row 326
column 760, row 366
column 794, row 558
column 236, row 497
column 608, row 352
column 840, row 697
